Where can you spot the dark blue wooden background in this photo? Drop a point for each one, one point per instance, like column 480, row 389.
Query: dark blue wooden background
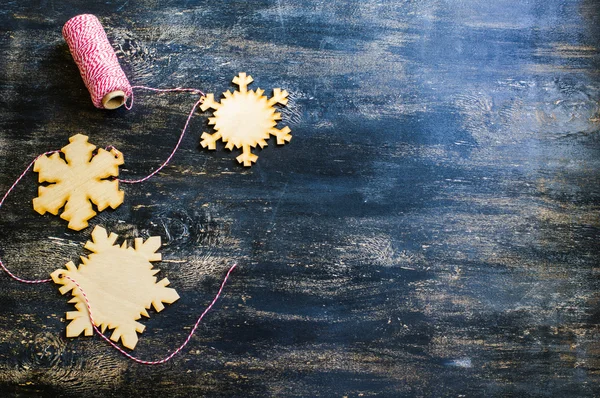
column 431, row 230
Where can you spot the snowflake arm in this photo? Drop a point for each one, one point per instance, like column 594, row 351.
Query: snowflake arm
column 101, row 241
column 245, row 119
column 50, row 199
column 105, row 164
column 210, row 140
column 279, row 97
column 51, row 168
column 247, row 157
column 79, row 323
column 120, row 285
column 148, row 248
column 282, row 135
column 106, row 194
column 163, row 294
column 243, row 80
column 209, row 102
column 78, row 181
column 77, row 211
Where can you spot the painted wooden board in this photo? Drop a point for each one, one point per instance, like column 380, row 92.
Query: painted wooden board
column 431, row 230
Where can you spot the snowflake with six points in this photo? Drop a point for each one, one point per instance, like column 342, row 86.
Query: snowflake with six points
column 119, row 284
column 83, row 177
column 244, row 119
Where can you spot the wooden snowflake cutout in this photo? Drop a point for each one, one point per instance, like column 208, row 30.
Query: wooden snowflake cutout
column 119, row 284
column 77, row 181
column 244, row 119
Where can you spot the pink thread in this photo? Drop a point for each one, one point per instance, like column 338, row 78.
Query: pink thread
column 187, row 122
column 95, row 58
column 178, row 350
column 102, row 74
column 12, row 187
column 36, row 281
column 165, row 90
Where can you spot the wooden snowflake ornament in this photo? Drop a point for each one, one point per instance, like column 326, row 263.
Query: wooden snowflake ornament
column 119, row 284
column 79, row 180
column 244, row 119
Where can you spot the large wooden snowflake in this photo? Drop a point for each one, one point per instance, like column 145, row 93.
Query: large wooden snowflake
column 120, row 286
column 244, row 119
column 77, row 181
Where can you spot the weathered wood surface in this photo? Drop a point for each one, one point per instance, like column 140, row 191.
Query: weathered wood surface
column 431, row 230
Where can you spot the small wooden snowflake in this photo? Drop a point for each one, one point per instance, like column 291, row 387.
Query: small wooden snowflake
column 119, row 284
column 244, row 119
column 77, row 181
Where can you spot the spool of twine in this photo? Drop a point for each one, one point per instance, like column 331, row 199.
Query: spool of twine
column 97, row 61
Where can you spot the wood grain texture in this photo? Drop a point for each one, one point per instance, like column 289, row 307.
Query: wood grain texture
column 432, row 229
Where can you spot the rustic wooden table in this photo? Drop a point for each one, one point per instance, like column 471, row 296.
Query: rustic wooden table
column 431, row 230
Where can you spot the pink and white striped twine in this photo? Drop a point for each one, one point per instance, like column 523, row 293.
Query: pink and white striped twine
column 102, row 75
column 89, row 307
column 95, row 57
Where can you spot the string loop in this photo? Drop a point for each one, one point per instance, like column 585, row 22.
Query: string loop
column 172, row 354
column 38, row 281
column 12, row 187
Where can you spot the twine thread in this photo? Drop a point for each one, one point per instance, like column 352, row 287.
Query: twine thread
column 102, row 335
column 12, row 187
column 176, row 351
column 102, row 74
column 95, row 58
